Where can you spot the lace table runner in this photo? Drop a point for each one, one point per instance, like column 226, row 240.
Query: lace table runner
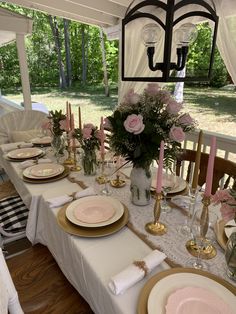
column 172, row 243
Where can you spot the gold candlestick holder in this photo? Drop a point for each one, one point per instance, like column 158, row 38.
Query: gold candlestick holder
column 156, row 227
column 102, row 179
column 75, row 167
column 117, row 182
column 69, row 160
column 207, row 250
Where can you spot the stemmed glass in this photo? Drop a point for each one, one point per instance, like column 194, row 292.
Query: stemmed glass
column 168, row 181
column 108, row 169
column 200, row 243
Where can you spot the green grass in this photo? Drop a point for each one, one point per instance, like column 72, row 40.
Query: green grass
column 214, row 109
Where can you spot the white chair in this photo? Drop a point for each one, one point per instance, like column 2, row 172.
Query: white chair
column 9, row 301
column 24, row 120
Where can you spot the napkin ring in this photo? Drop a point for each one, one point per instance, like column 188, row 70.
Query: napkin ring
column 141, row 265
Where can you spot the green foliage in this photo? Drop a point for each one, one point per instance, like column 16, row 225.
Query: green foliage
column 56, row 117
column 199, row 58
column 42, row 56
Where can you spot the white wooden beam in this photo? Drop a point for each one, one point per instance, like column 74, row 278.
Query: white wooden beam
column 20, row 42
column 104, row 6
column 14, row 24
column 79, row 13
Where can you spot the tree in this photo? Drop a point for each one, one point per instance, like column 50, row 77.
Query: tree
column 67, row 51
column 55, row 30
column 107, row 93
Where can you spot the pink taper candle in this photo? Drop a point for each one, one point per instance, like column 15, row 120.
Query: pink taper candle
column 102, row 148
column 67, row 117
column 210, row 167
column 160, row 169
column 73, row 128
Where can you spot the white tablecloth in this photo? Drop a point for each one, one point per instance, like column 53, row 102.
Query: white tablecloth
column 87, row 263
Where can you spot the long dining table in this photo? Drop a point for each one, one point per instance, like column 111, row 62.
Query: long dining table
column 89, row 263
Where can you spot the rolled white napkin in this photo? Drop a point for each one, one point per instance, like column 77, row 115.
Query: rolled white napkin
column 132, row 274
column 28, row 163
column 63, row 199
column 8, row 147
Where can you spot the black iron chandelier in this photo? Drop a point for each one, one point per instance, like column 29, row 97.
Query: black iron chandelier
column 175, row 28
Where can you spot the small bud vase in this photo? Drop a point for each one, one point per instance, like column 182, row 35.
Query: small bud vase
column 89, row 162
column 140, row 186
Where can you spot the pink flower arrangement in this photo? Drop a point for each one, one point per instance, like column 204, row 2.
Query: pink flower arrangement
column 55, row 123
column 227, row 199
column 142, row 121
column 89, row 137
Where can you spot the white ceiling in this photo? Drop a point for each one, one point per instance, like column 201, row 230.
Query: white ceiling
column 103, row 13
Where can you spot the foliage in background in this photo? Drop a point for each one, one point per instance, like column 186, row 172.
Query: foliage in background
column 199, row 56
column 42, row 56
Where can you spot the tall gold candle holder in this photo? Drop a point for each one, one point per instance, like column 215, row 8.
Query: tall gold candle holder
column 156, row 227
column 207, row 250
column 69, row 160
column 75, row 167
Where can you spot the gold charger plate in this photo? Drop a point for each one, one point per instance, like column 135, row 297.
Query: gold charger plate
column 144, row 294
column 95, row 232
column 220, row 234
column 48, row 180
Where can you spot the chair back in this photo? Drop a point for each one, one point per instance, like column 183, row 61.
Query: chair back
column 24, row 120
column 223, row 169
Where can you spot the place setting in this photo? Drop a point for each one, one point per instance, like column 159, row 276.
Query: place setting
column 21, row 154
column 93, row 216
column 44, row 173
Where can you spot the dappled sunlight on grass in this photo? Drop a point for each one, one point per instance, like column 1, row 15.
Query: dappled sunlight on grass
column 214, row 109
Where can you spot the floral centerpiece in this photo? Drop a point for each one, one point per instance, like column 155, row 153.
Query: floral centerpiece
column 89, row 139
column 141, row 122
column 227, row 199
column 56, row 124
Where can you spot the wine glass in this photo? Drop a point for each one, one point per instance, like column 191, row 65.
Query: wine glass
column 200, row 243
column 168, row 182
column 230, row 256
column 108, row 170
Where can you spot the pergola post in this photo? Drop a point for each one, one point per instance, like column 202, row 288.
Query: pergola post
column 20, row 43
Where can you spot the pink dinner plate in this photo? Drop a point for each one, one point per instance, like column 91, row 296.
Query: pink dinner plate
column 22, row 153
column 94, row 211
column 42, row 140
column 43, row 171
column 196, row 300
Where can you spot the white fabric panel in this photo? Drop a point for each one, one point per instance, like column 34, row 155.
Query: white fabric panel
column 9, row 300
column 20, row 121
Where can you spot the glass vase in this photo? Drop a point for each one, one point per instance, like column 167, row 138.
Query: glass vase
column 89, row 162
column 140, row 186
column 58, row 146
column 230, row 256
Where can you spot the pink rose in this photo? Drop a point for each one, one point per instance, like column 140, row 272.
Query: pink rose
column 134, row 124
column 152, row 89
column 164, row 96
column 221, row 196
column 173, row 107
column 131, row 97
column 227, row 212
column 186, row 119
column 63, row 125
column 86, row 132
column 89, row 126
column 177, row 134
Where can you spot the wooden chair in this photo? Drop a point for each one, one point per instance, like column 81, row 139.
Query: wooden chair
column 222, row 169
column 41, row 286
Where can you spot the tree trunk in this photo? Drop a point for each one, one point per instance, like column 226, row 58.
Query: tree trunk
column 55, row 32
column 67, row 49
column 84, row 62
column 105, row 76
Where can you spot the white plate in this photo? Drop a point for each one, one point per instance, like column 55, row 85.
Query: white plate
column 176, row 187
column 43, row 171
column 22, row 153
column 196, row 300
column 229, row 231
column 165, row 287
column 98, row 201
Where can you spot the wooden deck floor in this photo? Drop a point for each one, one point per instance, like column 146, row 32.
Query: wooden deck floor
column 41, row 285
